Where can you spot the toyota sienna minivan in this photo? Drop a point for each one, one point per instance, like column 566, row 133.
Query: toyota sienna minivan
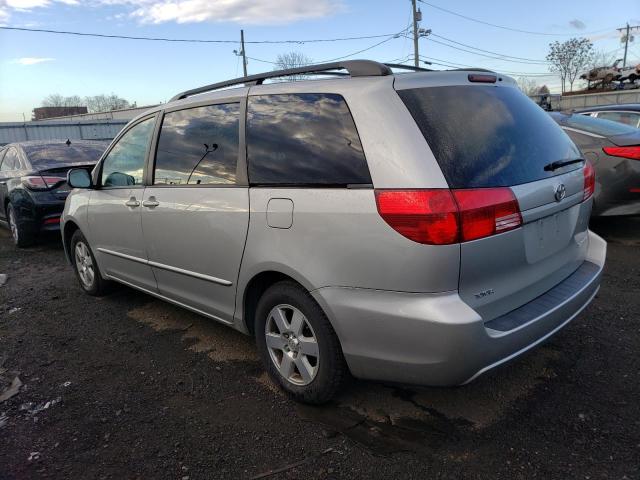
column 416, row 228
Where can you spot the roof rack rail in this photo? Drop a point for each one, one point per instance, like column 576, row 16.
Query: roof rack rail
column 356, row 68
column 400, row 66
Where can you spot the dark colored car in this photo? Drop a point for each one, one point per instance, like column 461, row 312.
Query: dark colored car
column 33, row 184
column 628, row 114
column 614, row 150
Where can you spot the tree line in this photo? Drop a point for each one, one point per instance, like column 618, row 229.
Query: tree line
column 94, row 104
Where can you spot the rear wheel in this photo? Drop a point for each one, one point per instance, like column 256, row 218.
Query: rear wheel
column 298, row 345
column 85, row 266
column 21, row 237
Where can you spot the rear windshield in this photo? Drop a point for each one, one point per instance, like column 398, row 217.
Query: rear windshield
column 487, row 136
column 599, row 126
column 58, row 155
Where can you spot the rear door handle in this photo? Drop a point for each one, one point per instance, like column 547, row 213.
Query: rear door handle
column 3, row 183
column 151, row 202
column 132, row 202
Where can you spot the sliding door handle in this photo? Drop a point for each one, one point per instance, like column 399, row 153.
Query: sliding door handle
column 132, row 202
column 150, row 202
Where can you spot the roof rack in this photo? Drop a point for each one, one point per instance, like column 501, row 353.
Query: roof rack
column 400, row 66
column 356, row 68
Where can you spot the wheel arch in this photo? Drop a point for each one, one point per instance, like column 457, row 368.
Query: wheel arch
column 70, row 227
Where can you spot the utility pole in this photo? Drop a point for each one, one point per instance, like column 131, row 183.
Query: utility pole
column 243, row 53
column 627, row 37
column 417, row 16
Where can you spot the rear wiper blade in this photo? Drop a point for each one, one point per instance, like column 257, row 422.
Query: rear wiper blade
column 561, row 163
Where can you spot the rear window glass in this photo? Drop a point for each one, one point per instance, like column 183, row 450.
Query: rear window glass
column 303, row 139
column 598, row 125
column 54, row 155
column 486, row 136
column 198, row 146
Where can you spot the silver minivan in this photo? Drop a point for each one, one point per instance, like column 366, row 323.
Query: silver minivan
column 417, row 228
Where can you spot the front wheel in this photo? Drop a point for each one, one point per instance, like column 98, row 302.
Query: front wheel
column 85, row 266
column 298, row 345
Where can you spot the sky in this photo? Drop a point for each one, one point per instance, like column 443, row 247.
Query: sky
column 34, row 65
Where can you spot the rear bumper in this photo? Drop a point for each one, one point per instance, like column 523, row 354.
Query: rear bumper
column 437, row 339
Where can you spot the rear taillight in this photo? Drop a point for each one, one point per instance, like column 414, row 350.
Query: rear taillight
column 487, row 211
column 52, row 221
column 424, row 216
column 589, row 180
column 625, row 152
column 37, row 182
column 442, row 216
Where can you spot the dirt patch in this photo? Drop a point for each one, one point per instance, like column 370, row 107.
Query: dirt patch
column 221, row 343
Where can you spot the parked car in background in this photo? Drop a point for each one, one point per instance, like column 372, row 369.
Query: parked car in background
column 614, row 151
column 33, row 184
column 347, row 223
column 628, row 114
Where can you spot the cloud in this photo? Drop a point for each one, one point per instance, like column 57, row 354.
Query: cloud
column 237, row 11
column 194, row 11
column 577, row 24
column 33, row 60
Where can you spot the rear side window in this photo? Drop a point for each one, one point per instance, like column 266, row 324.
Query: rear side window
column 486, row 136
column 303, row 139
column 198, row 146
column 628, row 118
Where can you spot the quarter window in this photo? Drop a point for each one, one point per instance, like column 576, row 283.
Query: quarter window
column 11, row 161
column 198, row 146
column 124, row 164
column 303, row 139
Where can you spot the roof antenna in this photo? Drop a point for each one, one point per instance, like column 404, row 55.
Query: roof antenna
column 68, row 142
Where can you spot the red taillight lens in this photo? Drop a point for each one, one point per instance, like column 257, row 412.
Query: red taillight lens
column 481, row 78
column 424, row 216
column 487, row 211
column 625, row 152
column 441, row 216
column 52, row 221
column 37, row 182
column 589, row 180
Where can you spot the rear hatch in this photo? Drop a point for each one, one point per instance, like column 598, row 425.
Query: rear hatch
column 490, row 140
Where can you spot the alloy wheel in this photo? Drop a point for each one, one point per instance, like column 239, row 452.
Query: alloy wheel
column 13, row 226
column 292, row 344
column 84, row 264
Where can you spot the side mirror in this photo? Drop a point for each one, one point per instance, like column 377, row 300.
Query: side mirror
column 78, row 178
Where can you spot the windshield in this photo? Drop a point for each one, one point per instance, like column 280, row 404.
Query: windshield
column 599, row 126
column 488, row 136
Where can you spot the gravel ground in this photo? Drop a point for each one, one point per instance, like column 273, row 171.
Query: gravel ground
column 127, row 386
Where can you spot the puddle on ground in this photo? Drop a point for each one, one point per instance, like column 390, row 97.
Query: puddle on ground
column 384, row 419
column 219, row 342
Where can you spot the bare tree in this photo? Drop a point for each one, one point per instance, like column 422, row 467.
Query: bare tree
column 569, row 58
column 57, row 100
column 600, row 58
column 105, row 103
column 543, row 90
column 527, row 85
column 292, row 60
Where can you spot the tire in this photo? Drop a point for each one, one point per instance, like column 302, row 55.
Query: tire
column 289, row 320
column 86, row 267
column 21, row 237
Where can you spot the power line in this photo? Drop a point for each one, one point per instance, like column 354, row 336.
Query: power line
column 508, row 28
column 488, row 51
column 484, row 55
column 391, row 37
column 189, row 40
